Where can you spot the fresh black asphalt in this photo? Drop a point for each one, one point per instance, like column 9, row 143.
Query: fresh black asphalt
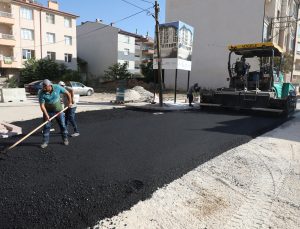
column 120, row 158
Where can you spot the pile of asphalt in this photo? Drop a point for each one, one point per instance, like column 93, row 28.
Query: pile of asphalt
column 120, row 158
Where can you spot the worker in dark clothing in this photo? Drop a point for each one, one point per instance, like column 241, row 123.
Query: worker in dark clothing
column 193, row 89
column 241, row 67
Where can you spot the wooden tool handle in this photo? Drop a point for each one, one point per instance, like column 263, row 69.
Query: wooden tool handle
column 36, row 129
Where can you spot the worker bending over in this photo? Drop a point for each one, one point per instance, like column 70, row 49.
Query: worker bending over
column 49, row 99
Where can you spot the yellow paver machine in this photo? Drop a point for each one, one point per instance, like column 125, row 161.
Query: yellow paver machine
column 259, row 86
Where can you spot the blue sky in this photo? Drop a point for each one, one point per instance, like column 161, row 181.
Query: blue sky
column 114, row 10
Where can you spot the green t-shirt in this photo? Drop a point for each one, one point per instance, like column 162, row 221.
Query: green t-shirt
column 52, row 100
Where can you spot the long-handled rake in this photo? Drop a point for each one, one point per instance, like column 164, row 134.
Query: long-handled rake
column 32, row 132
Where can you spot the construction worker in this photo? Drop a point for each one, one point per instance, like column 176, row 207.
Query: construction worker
column 49, row 99
column 191, row 91
column 70, row 113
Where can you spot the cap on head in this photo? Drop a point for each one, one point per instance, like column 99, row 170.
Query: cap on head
column 47, row 82
column 62, row 83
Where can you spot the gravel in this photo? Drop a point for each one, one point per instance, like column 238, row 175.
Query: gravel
column 138, row 94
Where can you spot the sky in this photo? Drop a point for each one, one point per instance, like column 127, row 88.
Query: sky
column 114, row 10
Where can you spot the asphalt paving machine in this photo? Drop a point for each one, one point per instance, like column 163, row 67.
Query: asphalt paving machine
column 262, row 89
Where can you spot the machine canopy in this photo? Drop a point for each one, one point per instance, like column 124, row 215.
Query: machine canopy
column 257, row 49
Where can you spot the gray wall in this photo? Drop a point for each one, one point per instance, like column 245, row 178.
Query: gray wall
column 217, row 23
column 98, row 48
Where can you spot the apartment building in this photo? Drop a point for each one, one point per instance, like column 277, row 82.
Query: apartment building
column 102, row 45
column 144, row 51
column 31, row 30
column 296, row 72
column 280, row 27
column 221, row 23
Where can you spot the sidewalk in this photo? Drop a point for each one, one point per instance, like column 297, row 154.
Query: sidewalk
column 30, row 109
column 21, row 111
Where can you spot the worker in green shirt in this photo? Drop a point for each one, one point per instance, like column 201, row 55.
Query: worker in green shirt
column 50, row 104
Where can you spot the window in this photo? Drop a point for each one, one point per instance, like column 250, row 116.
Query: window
column 126, row 52
column 51, row 55
column 27, row 54
column 27, row 34
column 292, row 43
column 68, row 57
column 51, row 38
column 127, row 63
column 298, row 48
column 50, row 18
column 68, row 40
column 26, row 13
column 297, row 65
column 68, row 22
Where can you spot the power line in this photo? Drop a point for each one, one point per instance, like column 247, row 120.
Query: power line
column 132, row 4
column 147, row 1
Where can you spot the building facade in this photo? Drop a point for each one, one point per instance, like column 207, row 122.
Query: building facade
column 102, row 45
column 30, row 30
column 219, row 24
column 280, row 27
column 144, row 51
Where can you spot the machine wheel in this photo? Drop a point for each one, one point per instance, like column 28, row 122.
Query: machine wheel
column 289, row 106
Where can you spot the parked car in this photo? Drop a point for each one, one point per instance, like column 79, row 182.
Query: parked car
column 80, row 88
column 34, row 87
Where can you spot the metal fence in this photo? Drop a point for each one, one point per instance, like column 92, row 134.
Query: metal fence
column 7, row 36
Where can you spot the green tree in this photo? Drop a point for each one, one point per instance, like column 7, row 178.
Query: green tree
column 117, row 72
column 46, row 69
column 147, row 71
column 287, row 64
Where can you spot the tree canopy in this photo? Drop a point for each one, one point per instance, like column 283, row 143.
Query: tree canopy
column 117, row 72
column 46, row 69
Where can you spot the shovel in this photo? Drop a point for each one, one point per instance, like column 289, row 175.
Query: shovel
column 33, row 131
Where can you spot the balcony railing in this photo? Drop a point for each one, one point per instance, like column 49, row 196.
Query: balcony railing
column 8, row 62
column 7, row 36
column 6, row 14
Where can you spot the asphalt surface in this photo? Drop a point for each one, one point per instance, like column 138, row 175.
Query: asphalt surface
column 120, row 158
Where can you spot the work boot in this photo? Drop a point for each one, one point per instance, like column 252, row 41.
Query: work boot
column 44, row 145
column 66, row 142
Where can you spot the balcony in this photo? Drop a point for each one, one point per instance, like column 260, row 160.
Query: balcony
column 7, row 39
column 7, row 62
column 6, row 18
column 147, row 60
column 148, row 51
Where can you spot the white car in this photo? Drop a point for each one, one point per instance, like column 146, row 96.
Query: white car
column 80, row 88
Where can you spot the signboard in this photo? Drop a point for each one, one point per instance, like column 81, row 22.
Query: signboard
column 176, row 43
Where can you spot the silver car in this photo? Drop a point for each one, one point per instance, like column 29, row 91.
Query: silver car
column 80, row 88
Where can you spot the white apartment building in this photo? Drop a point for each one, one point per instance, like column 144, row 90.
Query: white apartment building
column 30, row 30
column 102, row 45
column 218, row 24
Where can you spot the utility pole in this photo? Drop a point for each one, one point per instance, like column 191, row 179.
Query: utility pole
column 158, row 53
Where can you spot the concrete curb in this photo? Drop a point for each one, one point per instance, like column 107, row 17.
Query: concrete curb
column 167, row 107
column 12, row 130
